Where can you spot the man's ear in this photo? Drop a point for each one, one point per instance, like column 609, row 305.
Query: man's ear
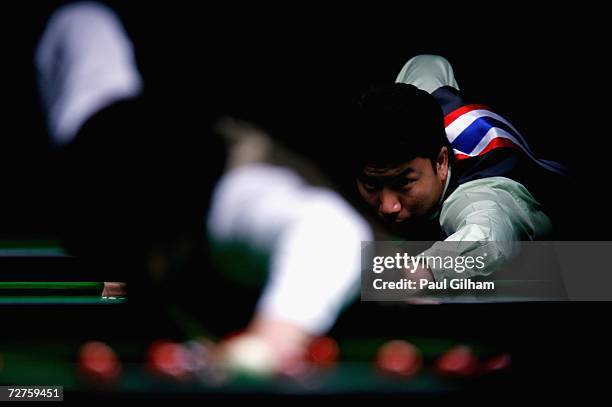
column 442, row 162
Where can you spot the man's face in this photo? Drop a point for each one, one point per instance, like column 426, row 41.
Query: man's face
column 407, row 191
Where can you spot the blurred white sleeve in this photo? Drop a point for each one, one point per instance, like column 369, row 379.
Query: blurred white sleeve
column 312, row 235
column 85, row 62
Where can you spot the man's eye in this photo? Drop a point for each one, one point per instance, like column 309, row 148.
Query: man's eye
column 403, row 183
column 370, row 186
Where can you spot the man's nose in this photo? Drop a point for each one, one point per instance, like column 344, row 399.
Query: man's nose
column 389, row 204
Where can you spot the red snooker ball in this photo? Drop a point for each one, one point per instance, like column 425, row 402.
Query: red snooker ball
column 323, row 351
column 99, row 362
column 457, row 361
column 168, row 359
column 399, row 357
column 497, row 363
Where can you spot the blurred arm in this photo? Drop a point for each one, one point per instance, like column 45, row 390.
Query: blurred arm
column 313, row 238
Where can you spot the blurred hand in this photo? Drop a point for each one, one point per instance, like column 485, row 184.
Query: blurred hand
column 114, row 289
column 267, row 347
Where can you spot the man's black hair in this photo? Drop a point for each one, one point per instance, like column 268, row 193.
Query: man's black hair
column 396, row 123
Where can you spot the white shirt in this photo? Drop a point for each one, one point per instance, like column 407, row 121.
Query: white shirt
column 313, row 238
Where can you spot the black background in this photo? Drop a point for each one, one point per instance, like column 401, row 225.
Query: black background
column 293, row 68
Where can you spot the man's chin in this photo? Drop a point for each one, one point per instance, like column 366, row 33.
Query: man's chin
column 417, row 228
column 398, row 226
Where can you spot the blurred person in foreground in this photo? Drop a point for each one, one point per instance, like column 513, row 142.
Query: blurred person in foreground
column 113, row 140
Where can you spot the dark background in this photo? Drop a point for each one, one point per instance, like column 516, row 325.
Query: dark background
column 293, row 69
